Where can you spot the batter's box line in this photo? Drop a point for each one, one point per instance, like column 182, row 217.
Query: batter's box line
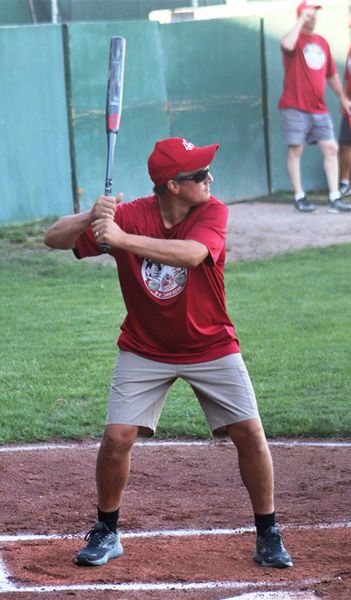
column 6, row 586
column 30, row 537
column 170, row 443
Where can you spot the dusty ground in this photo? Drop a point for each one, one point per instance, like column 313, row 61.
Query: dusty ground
column 51, row 491
column 261, row 230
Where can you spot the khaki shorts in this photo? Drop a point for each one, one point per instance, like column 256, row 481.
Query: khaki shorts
column 139, row 388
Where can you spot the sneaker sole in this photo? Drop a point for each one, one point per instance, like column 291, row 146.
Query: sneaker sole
column 304, row 212
column 279, row 564
column 85, row 562
column 338, row 211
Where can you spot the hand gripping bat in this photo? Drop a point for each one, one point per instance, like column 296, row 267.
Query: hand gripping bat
column 113, row 109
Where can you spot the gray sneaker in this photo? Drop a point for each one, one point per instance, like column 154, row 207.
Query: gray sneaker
column 270, row 551
column 338, row 206
column 302, row 205
column 345, row 189
column 102, row 545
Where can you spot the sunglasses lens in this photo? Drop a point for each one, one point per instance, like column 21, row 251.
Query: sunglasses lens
column 197, row 177
column 200, row 175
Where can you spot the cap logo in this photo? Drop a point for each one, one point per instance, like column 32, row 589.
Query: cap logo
column 188, row 145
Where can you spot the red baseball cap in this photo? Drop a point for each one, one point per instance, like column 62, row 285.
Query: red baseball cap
column 304, row 5
column 175, row 155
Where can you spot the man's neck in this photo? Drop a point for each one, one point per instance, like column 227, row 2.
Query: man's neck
column 172, row 212
column 307, row 31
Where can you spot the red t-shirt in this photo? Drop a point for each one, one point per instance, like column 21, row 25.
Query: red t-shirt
column 306, row 69
column 347, row 74
column 174, row 314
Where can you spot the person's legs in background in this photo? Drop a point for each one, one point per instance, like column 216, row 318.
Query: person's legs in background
column 293, row 165
column 295, row 128
column 329, row 149
column 345, row 156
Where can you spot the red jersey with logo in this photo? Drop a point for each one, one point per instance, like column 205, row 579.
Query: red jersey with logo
column 306, row 69
column 347, row 74
column 174, row 314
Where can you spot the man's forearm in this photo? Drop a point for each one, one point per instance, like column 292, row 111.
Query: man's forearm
column 288, row 41
column 63, row 234
column 335, row 84
column 185, row 253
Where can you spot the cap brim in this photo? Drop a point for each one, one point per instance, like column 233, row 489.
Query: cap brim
column 301, row 9
column 201, row 158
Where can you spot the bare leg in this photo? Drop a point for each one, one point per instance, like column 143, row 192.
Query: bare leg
column 293, row 167
column 345, row 162
column 255, row 464
column 329, row 150
column 113, row 464
column 256, row 470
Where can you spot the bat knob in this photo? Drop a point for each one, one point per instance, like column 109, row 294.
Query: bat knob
column 104, row 248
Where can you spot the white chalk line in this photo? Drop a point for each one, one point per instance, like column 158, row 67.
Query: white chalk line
column 170, row 443
column 130, row 534
column 5, row 583
column 33, row 537
column 152, row 587
column 274, row 596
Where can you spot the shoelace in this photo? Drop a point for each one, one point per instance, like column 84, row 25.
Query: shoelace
column 275, row 541
column 95, row 537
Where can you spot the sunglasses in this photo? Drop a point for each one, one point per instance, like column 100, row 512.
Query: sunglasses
column 197, row 177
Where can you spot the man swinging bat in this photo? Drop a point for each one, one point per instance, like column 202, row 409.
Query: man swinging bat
column 170, row 253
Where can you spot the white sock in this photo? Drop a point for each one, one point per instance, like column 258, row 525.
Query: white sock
column 334, row 196
column 299, row 195
column 345, row 181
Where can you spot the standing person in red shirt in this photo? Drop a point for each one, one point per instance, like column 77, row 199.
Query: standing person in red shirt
column 308, row 64
column 170, row 253
column 345, row 134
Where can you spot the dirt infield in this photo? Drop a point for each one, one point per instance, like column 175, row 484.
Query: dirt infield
column 186, row 522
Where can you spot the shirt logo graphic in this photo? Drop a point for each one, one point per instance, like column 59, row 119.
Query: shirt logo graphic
column 314, row 56
column 163, row 281
column 188, row 145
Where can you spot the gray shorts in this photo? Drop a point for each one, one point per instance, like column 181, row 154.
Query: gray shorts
column 139, row 387
column 345, row 132
column 299, row 127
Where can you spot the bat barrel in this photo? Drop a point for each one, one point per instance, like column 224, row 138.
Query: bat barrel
column 114, row 99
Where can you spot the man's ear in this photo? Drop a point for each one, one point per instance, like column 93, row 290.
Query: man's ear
column 173, row 186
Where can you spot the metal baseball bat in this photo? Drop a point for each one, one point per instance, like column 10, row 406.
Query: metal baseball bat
column 114, row 103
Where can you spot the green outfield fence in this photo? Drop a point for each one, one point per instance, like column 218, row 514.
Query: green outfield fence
column 214, row 80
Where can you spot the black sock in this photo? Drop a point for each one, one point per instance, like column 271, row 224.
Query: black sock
column 262, row 522
column 109, row 518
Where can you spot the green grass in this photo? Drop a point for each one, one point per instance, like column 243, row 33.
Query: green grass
column 60, row 320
